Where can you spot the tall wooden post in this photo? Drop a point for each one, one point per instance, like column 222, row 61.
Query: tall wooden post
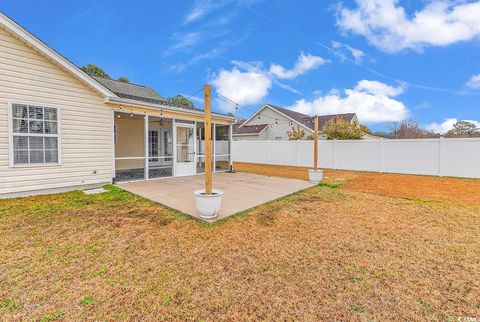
column 315, row 144
column 208, row 140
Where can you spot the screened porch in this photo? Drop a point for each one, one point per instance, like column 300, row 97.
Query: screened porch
column 152, row 147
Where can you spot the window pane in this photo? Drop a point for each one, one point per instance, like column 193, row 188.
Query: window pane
column 50, row 127
column 35, row 112
column 20, row 157
column 36, row 127
column 36, row 156
column 222, row 144
column 36, row 143
column 20, row 111
column 20, row 126
column 185, row 153
column 20, row 143
column 51, row 156
column 50, row 113
column 51, row 143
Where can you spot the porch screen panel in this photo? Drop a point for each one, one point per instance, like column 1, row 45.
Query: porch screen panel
column 200, row 146
column 222, row 147
column 129, row 147
column 160, row 147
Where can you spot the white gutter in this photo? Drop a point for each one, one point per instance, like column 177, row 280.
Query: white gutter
column 154, row 106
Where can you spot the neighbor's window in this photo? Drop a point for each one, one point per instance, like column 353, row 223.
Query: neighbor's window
column 35, row 134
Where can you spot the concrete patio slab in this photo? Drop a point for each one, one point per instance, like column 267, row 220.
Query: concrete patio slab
column 242, row 191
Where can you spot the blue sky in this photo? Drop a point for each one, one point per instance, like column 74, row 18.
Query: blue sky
column 385, row 60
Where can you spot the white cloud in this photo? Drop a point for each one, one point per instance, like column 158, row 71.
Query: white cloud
column 378, row 88
column 356, row 53
column 387, row 26
column 303, row 64
column 249, row 82
column 183, row 41
column 474, row 82
column 369, row 99
column 200, row 9
column 245, row 88
column 447, row 125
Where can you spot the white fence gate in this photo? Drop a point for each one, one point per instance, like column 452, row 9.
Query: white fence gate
column 442, row 157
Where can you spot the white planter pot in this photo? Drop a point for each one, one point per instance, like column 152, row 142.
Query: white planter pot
column 315, row 176
column 208, row 205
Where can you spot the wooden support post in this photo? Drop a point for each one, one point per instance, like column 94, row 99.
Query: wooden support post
column 208, row 140
column 315, row 144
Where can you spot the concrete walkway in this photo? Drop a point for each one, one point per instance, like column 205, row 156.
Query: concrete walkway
column 242, row 191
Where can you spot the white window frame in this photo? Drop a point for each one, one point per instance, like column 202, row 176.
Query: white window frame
column 11, row 135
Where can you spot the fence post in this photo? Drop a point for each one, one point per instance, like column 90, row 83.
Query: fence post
column 440, row 148
column 334, row 153
column 268, row 152
column 297, row 144
column 380, row 152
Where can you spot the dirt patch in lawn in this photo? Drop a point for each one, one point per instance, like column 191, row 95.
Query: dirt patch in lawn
column 320, row 254
column 398, row 185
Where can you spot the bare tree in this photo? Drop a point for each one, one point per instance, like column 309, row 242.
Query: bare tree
column 408, row 129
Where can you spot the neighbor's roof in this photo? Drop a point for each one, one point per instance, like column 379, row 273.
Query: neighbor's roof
column 129, row 90
column 307, row 120
column 249, row 129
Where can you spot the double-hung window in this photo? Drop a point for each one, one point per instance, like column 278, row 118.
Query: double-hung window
column 34, row 134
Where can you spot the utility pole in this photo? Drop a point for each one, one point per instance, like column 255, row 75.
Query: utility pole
column 208, row 140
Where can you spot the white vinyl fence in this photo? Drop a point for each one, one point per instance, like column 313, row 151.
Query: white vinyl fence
column 440, row 157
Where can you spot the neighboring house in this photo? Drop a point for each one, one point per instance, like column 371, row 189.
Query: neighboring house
column 61, row 129
column 273, row 123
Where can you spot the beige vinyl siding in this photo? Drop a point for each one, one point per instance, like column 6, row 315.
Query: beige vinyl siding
column 85, row 121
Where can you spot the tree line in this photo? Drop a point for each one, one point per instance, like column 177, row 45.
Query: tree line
column 340, row 129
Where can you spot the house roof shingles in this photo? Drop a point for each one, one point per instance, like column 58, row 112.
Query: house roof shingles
column 249, row 129
column 128, row 90
column 140, row 93
column 307, row 120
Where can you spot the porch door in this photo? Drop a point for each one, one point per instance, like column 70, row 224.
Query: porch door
column 153, row 148
column 185, row 145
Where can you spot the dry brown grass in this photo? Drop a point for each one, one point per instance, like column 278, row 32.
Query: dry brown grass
column 386, row 184
column 321, row 254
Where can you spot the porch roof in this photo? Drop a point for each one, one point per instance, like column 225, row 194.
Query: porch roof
column 163, row 106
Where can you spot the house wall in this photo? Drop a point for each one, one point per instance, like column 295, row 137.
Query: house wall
column 86, row 122
column 276, row 131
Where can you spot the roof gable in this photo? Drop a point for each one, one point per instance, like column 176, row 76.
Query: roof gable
column 305, row 120
column 21, row 33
